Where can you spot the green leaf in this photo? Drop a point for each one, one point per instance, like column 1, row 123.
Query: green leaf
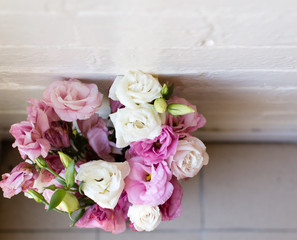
column 69, row 175
column 51, row 187
column 70, row 215
column 79, row 189
column 56, row 199
column 77, row 217
column 86, row 202
column 61, row 181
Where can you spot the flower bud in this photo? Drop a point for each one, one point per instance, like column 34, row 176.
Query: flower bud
column 36, row 196
column 164, row 90
column 160, row 105
column 176, row 109
column 69, row 203
column 65, row 159
column 41, row 162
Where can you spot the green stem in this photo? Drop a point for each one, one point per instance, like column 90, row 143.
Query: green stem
column 57, row 210
column 72, row 190
column 57, row 175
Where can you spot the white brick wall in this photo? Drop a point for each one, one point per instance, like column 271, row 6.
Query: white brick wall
column 235, row 59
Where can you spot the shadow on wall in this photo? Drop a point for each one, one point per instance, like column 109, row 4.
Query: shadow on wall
column 243, row 105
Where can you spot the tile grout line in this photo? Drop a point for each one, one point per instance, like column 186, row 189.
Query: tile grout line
column 201, row 203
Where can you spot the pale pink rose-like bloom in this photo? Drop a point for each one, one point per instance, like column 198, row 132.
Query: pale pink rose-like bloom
column 18, row 180
column 158, row 149
column 41, row 115
column 58, row 135
column 72, row 99
column 190, row 156
column 96, row 131
column 184, row 124
column 148, row 184
column 29, row 141
column 109, row 220
column 172, row 208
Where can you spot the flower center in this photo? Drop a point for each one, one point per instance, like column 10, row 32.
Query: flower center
column 157, row 144
column 138, row 124
column 148, row 177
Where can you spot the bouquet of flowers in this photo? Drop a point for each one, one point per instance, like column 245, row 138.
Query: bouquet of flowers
column 108, row 173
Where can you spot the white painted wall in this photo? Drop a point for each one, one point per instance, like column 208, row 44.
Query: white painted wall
column 235, row 59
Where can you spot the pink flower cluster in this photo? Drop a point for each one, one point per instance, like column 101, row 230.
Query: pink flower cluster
column 46, row 127
column 138, row 183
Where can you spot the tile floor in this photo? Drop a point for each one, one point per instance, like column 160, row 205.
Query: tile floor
column 248, row 191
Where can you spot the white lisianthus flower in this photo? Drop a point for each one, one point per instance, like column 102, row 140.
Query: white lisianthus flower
column 136, row 124
column 103, row 181
column 189, row 158
column 135, row 88
column 144, row 217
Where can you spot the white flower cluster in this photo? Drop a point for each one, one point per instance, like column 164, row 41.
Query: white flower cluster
column 138, row 120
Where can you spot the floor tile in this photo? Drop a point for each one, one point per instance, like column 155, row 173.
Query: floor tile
column 149, row 236
column 20, row 212
column 251, row 186
column 190, row 217
column 48, row 236
column 250, row 236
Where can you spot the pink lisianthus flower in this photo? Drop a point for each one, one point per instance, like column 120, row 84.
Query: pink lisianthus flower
column 115, row 105
column 158, row 149
column 184, row 124
column 172, row 208
column 95, row 129
column 19, row 179
column 131, row 226
column 73, row 100
column 29, row 141
column 109, row 220
column 54, row 162
column 58, row 135
column 148, row 184
column 41, row 115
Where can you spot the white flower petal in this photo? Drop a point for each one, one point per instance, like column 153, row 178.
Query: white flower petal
column 103, row 181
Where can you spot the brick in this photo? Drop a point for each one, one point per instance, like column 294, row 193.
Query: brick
column 30, row 29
